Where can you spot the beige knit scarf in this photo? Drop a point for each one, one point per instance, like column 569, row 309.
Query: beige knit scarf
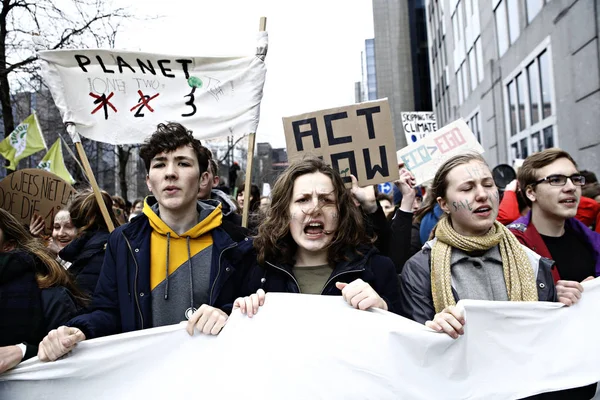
column 518, row 274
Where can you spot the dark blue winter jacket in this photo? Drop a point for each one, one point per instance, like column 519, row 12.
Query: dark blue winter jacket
column 86, row 254
column 376, row 270
column 122, row 300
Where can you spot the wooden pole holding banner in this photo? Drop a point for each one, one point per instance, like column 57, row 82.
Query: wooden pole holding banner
column 90, row 175
column 251, row 141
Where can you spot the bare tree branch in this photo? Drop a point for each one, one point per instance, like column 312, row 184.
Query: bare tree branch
column 230, row 149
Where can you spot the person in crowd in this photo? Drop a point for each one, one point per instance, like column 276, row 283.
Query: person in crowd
column 418, row 201
column 136, row 208
column 254, row 198
column 313, row 241
column 36, row 293
column 423, row 220
column 210, row 191
column 178, row 260
column 233, row 175
column 400, row 246
column 513, row 204
column 86, row 252
column 63, row 231
column 591, row 191
column 120, row 209
column 590, row 178
column 253, row 207
column 467, row 234
column 375, row 222
column 552, row 185
column 386, row 204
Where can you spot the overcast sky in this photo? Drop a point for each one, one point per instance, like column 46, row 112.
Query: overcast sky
column 314, row 46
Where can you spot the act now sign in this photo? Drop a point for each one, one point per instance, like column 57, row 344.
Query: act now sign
column 355, row 140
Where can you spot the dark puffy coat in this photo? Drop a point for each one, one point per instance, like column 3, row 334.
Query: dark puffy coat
column 376, row 270
column 86, row 254
column 122, row 300
column 27, row 312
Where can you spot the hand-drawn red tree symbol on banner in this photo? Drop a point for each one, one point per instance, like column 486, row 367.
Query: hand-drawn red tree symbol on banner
column 143, row 102
column 103, row 102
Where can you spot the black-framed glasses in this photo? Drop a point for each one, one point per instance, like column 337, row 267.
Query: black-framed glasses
column 561, row 180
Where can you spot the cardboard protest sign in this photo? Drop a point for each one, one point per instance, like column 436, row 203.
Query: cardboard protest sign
column 425, row 157
column 29, row 191
column 417, row 125
column 119, row 97
column 357, row 139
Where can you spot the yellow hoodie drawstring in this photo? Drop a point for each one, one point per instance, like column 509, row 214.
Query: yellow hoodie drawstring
column 167, row 273
column 189, row 266
column 191, row 277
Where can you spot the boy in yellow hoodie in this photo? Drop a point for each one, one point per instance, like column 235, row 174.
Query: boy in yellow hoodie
column 178, row 260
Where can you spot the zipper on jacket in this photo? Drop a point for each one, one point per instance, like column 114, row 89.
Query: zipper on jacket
column 340, row 274
column 137, row 268
column 218, row 272
column 290, row 275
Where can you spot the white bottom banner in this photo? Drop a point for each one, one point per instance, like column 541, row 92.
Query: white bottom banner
column 318, row 347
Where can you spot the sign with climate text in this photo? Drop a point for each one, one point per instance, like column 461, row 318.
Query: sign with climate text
column 424, row 157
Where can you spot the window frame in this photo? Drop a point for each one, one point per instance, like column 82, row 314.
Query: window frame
column 550, row 121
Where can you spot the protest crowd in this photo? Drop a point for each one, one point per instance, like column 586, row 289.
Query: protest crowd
column 188, row 253
column 182, row 253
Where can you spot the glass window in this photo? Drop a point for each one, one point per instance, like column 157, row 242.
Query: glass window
column 469, row 9
column 479, row 57
column 472, row 68
column 545, row 82
column 461, row 15
column 465, row 79
column 459, row 84
column 521, row 101
column 474, row 125
column 514, row 148
column 524, row 150
column 455, row 29
column 533, row 8
column 513, row 20
column 534, row 92
column 512, row 97
column 548, row 138
column 501, row 28
column 536, row 143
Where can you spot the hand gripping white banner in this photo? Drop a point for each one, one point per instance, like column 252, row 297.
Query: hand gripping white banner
column 309, row 347
column 119, row 97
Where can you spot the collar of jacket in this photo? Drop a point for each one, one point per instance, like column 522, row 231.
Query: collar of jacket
column 85, row 245
column 589, row 237
column 225, row 236
column 354, row 263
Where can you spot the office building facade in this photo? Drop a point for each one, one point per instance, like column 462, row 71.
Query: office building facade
column 524, row 74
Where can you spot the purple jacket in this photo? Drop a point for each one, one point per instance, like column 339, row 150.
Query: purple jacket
column 531, row 238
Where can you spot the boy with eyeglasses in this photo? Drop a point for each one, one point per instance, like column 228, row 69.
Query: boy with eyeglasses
column 552, row 185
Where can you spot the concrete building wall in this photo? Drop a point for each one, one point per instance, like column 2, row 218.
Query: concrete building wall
column 393, row 60
column 566, row 31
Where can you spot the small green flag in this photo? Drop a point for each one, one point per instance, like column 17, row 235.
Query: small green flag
column 24, row 141
column 54, row 162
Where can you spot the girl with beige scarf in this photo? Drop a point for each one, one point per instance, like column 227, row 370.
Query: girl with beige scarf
column 471, row 254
